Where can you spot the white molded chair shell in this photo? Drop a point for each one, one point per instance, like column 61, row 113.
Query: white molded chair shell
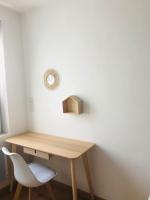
column 32, row 175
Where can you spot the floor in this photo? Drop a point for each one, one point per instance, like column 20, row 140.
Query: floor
column 40, row 194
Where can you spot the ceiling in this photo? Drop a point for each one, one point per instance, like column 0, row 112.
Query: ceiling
column 22, row 5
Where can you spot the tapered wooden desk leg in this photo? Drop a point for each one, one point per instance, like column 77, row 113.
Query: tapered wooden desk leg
column 88, row 175
column 18, row 190
column 13, row 149
column 73, row 178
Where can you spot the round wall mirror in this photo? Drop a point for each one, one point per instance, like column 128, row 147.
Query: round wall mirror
column 51, row 79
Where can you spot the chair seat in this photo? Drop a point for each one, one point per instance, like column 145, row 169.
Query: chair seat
column 42, row 173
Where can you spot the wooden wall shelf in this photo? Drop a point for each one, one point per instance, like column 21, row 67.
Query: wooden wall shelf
column 73, row 104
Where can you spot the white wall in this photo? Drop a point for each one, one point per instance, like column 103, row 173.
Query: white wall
column 14, row 74
column 101, row 50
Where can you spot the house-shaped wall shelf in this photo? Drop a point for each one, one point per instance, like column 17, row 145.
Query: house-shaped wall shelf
column 73, row 104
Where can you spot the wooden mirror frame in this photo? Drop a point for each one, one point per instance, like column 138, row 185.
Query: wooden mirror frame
column 53, row 73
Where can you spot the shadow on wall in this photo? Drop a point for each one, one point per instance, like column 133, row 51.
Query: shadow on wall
column 89, row 108
column 86, row 107
column 107, row 170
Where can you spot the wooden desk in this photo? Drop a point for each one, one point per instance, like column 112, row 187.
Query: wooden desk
column 58, row 146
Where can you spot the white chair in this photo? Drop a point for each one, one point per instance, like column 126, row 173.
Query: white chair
column 29, row 175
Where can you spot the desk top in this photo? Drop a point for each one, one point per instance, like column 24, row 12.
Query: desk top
column 63, row 147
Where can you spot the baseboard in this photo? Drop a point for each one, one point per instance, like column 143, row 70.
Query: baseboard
column 81, row 194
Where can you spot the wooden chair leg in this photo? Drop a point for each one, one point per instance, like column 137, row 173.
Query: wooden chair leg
column 18, row 191
column 30, row 193
column 50, row 190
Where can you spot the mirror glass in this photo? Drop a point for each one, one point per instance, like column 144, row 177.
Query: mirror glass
column 50, row 79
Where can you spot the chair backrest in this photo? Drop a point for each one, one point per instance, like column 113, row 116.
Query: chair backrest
column 22, row 172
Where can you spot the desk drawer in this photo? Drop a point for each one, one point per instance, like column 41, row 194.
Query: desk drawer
column 42, row 155
column 29, row 151
column 37, row 153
